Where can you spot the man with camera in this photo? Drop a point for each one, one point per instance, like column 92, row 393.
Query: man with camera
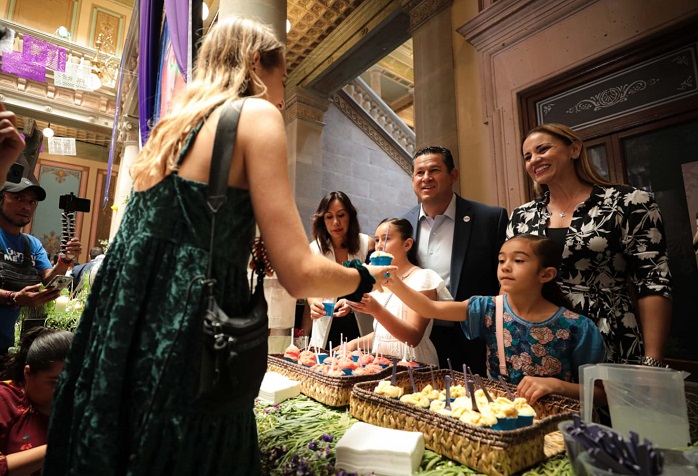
column 24, row 264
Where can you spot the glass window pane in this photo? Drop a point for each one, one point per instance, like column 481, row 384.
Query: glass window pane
column 599, row 159
column 662, row 162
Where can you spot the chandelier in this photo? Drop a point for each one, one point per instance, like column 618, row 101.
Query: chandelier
column 104, row 66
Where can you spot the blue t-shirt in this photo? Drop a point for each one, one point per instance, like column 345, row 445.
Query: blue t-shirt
column 13, row 250
column 556, row 347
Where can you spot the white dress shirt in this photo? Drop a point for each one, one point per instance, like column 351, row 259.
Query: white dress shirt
column 435, row 237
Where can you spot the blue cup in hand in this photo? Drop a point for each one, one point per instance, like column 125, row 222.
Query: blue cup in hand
column 328, row 304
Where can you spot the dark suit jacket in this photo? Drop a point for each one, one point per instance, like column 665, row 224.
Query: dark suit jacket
column 479, row 233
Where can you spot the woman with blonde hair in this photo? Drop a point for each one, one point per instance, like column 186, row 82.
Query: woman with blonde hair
column 611, row 237
column 128, row 400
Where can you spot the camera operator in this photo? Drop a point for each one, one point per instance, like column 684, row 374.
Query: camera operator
column 24, row 264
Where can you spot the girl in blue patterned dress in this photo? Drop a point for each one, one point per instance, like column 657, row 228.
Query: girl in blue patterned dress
column 544, row 342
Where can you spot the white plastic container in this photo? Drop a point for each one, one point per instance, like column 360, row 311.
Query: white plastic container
column 648, row 400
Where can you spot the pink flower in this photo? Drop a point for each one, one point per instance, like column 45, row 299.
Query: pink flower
column 538, row 350
column 552, row 365
column 562, row 334
column 542, row 334
column 515, row 362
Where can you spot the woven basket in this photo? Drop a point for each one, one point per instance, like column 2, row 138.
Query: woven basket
column 332, row 391
column 492, row 452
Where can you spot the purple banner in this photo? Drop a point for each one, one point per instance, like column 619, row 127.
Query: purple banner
column 14, row 63
column 43, row 53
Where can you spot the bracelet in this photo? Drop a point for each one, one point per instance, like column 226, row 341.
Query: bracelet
column 651, row 362
column 8, row 298
column 366, row 283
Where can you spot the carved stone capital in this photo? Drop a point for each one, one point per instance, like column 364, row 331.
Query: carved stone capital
column 128, row 132
column 421, row 11
column 304, row 104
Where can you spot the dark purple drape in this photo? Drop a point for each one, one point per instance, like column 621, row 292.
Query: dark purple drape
column 148, row 59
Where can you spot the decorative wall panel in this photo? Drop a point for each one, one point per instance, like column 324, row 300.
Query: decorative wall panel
column 667, row 78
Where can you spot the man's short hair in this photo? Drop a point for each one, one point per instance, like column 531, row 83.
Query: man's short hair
column 96, row 251
column 437, row 149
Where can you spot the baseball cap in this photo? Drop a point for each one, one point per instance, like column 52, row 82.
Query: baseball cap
column 22, row 185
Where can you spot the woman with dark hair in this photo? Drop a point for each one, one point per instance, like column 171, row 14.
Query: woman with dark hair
column 611, row 239
column 397, row 329
column 337, row 236
column 26, row 393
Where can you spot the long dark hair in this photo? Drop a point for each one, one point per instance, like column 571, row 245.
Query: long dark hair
column 548, row 255
column 404, row 227
column 40, row 348
column 320, row 233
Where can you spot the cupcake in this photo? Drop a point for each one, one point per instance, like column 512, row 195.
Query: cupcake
column 526, row 413
column 382, row 361
column 365, row 359
column 292, row 353
column 386, row 389
column 381, row 258
column 416, row 399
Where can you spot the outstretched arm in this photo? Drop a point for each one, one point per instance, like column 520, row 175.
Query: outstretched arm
column 409, row 330
column 533, row 388
column 422, row 305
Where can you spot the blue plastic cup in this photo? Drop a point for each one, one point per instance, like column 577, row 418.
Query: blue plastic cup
column 328, row 304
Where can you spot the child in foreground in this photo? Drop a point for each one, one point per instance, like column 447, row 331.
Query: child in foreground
column 544, row 342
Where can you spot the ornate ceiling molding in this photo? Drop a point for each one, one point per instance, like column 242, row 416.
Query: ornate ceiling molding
column 422, row 10
column 506, row 23
column 341, row 40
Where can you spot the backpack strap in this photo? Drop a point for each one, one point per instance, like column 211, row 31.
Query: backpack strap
column 27, row 263
column 499, row 318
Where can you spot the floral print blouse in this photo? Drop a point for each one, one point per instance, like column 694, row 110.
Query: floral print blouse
column 616, row 238
column 555, row 347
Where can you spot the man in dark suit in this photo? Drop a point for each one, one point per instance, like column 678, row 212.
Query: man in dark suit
column 460, row 240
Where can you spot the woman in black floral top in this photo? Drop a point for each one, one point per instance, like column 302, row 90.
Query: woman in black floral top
column 614, row 262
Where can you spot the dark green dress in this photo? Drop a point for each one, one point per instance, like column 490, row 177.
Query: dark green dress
column 130, row 320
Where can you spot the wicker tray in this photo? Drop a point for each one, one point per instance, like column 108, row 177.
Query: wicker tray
column 332, row 391
column 489, row 451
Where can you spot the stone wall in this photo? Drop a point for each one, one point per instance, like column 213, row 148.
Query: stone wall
column 355, row 164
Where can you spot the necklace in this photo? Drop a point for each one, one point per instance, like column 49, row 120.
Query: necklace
column 563, row 213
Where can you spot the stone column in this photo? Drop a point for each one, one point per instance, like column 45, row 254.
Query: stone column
column 304, row 123
column 271, row 12
column 128, row 135
column 435, row 108
column 376, row 74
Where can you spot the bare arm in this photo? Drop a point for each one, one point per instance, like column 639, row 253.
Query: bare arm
column 410, row 330
column 533, row 388
column 262, row 138
column 11, row 143
column 655, row 318
column 24, row 463
column 421, row 304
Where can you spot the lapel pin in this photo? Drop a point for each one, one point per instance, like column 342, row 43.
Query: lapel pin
column 466, row 218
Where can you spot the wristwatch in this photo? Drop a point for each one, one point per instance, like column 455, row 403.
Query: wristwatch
column 651, row 362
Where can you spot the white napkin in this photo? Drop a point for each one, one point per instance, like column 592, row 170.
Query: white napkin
column 368, row 448
column 276, row 388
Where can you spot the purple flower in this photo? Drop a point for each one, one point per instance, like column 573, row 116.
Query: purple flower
column 327, row 438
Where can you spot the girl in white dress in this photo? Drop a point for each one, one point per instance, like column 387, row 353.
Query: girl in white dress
column 337, row 236
column 398, row 330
